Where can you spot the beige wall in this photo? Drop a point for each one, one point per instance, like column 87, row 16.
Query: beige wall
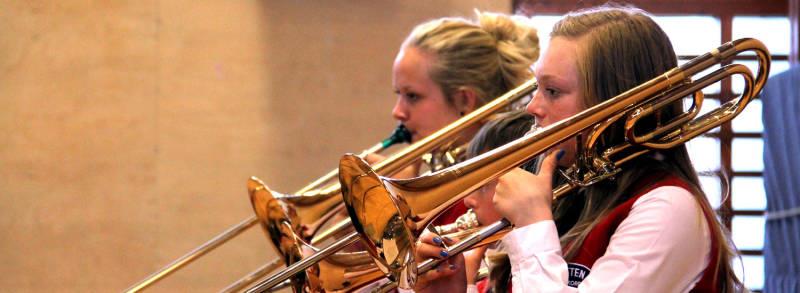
column 128, row 128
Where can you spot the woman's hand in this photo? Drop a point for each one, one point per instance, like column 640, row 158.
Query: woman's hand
column 472, row 263
column 449, row 276
column 524, row 198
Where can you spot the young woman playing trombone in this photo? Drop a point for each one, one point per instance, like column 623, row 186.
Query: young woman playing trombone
column 448, row 67
column 650, row 228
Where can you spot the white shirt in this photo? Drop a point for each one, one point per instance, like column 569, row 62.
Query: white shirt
column 662, row 246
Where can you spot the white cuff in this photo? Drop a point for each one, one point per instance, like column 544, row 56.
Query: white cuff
column 525, row 242
column 471, row 288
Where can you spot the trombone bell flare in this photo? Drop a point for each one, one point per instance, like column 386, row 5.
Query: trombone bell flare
column 386, row 236
column 277, row 224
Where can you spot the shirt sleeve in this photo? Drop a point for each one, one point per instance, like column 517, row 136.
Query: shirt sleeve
column 662, row 246
column 471, row 288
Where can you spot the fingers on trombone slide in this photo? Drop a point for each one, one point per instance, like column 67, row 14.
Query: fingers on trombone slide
column 433, row 246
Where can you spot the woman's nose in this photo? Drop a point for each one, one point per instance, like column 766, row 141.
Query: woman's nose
column 534, row 107
column 470, row 201
column 399, row 112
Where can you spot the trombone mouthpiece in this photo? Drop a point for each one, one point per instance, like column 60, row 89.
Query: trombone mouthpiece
column 464, row 222
column 399, row 135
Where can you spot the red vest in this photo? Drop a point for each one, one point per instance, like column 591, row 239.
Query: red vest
column 596, row 243
column 451, row 214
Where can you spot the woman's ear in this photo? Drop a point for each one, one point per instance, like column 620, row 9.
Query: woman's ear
column 466, row 100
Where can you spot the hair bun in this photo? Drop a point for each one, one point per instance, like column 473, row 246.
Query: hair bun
column 490, row 55
column 506, row 28
column 517, row 42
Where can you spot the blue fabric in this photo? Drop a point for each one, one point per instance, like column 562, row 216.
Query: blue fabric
column 781, row 116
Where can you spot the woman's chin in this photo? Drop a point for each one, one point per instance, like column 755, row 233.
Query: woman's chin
column 487, row 219
column 415, row 137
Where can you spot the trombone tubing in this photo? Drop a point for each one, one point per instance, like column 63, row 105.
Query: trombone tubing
column 492, row 232
column 300, row 266
column 194, row 254
column 335, row 172
column 448, row 132
column 253, row 276
column 406, row 156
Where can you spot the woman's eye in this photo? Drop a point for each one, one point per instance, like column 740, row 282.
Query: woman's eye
column 552, row 92
column 411, row 97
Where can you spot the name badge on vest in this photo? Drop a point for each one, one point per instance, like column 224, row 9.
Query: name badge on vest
column 577, row 272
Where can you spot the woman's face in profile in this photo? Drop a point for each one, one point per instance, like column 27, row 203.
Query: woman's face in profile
column 559, row 94
column 421, row 104
column 480, row 201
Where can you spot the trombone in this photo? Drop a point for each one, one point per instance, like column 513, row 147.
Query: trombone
column 353, row 263
column 389, row 214
column 399, row 135
column 314, row 205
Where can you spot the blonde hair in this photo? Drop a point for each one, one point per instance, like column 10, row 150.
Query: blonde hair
column 491, row 55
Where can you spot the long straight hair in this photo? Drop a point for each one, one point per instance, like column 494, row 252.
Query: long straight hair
column 622, row 47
